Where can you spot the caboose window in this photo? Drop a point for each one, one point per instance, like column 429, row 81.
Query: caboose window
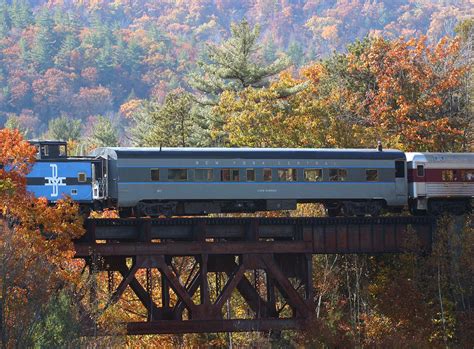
column 250, row 175
column 337, row 174
column 203, row 174
column 267, row 174
column 155, row 174
column 420, row 171
column 178, row 174
column 230, row 175
column 287, row 174
column 81, row 177
column 313, row 175
column 447, row 175
column 62, row 150
column 372, row 175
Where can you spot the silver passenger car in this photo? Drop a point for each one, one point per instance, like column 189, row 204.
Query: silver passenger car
column 186, row 181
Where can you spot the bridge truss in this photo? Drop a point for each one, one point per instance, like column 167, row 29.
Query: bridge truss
column 195, row 267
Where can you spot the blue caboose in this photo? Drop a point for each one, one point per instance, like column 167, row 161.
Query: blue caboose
column 55, row 175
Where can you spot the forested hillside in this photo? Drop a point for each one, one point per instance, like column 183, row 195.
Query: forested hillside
column 82, row 59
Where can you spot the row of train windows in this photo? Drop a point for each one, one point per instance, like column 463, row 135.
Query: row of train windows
column 452, row 175
column 283, row 175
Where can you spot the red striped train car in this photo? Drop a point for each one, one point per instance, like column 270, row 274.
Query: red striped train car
column 440, row 182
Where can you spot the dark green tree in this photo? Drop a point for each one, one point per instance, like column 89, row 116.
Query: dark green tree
column 64, row 128
column 103, row 133
column 296, row 54
column 43, row 49
column 63, row 57
column 5, row 21
column 235, row 64
column 59, row 326
column 20, row 13
column 171, row 124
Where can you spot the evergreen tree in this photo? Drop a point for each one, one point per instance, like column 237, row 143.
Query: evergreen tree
column 104, row 133
column 105, row 60
column 235, row 64
column 59, row 324
column 64, row 128
column 69, row 44
column 43, row 48
column 296, row 54
column 24, row 51
column 5, row 22
column 171, row 124
column 270, row 51
column 20, row 13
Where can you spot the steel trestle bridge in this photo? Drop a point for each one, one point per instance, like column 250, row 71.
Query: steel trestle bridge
column 267, row 262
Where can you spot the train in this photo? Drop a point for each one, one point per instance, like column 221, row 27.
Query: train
column 157, row 182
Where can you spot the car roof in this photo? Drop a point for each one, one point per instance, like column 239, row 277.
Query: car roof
column 250, row 153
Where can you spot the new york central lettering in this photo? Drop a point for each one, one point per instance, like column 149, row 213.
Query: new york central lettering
column 54, row 180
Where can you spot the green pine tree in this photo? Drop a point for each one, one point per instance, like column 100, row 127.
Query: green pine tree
column 69, row 44
column 20, row 13
column 5, row 21
column 171, row 124
column 104, row 133
column 43, row 49
column 296, row 54
column 64, row 128
column 235, row 64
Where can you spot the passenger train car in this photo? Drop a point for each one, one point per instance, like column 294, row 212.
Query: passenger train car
column 196, row 181
column 440, row 181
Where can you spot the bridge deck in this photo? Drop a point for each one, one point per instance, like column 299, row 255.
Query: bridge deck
column 254, row 235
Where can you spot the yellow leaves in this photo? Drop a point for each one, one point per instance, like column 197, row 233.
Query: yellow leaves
column 129, row 108
column 330, row 32
column 262, row 118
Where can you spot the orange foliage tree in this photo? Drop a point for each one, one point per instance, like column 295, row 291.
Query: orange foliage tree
column 36, row 253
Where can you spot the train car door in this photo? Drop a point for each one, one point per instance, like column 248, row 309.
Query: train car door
column 400, row 178
column 420, row 179
column 99, row 179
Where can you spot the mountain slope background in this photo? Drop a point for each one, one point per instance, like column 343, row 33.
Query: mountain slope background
column 87, row 58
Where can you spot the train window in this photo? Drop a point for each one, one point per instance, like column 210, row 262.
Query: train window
column 73, row 191
column 267, row 174
column 230, row 175
column 45, row 150
column 399, row 169
column 468, row 175
column 250, row 175
column 447, row 175
column 203, row 174
column 177, row 174
column 38, row 151
column 372, row 175
column 337, row 174
column 420, row 171
column 81, row 177
column 155, row 174
column 62, row 150
column 313, row 175
column 287, row 174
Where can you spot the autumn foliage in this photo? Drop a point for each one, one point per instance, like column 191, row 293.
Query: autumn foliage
column 35, row 247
